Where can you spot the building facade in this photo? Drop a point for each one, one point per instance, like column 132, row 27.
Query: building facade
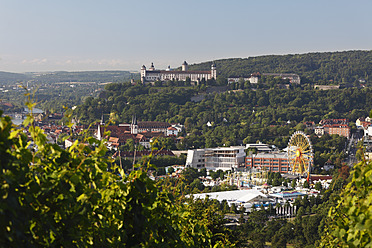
column 153, row 75
column 319, row 131
column 293, row 78
column 275, row 162
column 220, row 158
column 342, row 130
column 333, row 126
column 252, row 79
column 141, row 132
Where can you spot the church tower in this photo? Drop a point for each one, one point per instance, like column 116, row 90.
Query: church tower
column 100, row 128
column 134, row 125
column 102, row 120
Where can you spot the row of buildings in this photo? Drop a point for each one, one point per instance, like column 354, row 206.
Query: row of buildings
column 231, row 158
column 330, row 126
column 254, row 77
column 234, row 157
column 149, row 75
column 141, row 132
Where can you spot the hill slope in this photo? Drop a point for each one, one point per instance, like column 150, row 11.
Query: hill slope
column 348, row 66
column 7, row 77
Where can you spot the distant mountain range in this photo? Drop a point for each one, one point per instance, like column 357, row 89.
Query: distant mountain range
column 64, row 76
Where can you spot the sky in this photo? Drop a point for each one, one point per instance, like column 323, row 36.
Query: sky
column 78, row 35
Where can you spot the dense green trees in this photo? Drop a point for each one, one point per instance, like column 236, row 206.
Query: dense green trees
column 349, row 224
column 77, row 198
column 269, row 116
column 51, row 197
column 329, row 67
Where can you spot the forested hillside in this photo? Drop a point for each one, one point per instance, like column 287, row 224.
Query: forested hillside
column 327, row 67
column 251, row 114
column 236, row 117
column 9, row 77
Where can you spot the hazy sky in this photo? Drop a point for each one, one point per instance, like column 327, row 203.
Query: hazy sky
column 73, row 35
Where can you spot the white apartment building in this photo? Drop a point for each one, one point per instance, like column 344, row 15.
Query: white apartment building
column 220, row 158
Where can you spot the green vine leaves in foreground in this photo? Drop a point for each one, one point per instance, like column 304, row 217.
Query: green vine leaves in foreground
column 51, row 197
column 351, row 221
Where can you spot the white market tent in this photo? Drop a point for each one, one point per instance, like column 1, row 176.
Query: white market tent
column 236, row 196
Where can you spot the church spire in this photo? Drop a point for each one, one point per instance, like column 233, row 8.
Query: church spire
column 134, row 119
column 102, row 120
column 134, row 125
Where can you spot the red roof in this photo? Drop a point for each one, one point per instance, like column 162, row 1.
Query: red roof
column 337, row 126
column 320, row 177
column 130, row 154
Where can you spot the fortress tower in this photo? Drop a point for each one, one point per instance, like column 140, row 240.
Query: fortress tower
column 185, row 66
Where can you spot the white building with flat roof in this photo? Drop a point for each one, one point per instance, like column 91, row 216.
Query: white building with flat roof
column 220, row 158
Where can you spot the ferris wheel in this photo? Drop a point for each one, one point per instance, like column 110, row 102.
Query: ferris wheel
column 300, row 154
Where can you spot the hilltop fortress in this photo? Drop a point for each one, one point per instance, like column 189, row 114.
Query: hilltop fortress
column 152, row 75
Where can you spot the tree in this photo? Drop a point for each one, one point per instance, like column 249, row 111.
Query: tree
column 197, row 184
column 276, row 182
column 318, row 186
column 203, row 172
column 221, row 80
column 129, row 145
column 306, row 184
column 51, row 197
column 170, row 170
column 311, row 224
column 190, row 174
column 294, row 183
column 160, row 171
column 273, row 226
column 349, row 224
column 233, row 209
